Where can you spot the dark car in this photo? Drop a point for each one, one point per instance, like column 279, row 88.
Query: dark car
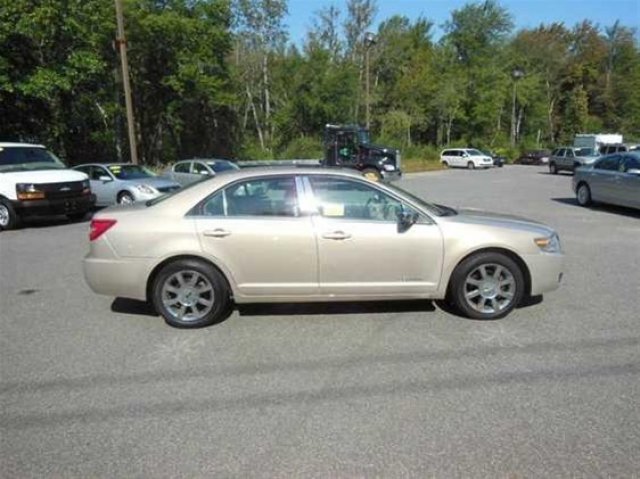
column 498, row 160
column 534, row 157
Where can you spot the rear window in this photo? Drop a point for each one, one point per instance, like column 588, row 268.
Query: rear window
column 220, row 166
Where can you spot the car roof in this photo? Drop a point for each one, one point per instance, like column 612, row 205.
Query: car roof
column 107, row 164
column 20, row 145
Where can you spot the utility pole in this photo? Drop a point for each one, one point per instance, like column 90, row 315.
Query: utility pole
column 369, row 41
column 121, row 45
column 516, row 74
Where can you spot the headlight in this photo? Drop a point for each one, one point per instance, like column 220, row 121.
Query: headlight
column 145, row 189
column 549, row 244
column 29, row 191
column 389, row 167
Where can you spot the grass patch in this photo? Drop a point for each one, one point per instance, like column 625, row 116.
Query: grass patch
column 414, row 165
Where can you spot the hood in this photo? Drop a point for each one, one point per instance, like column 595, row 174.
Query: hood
column 499, row 220
column 380, row 148
column 45, row 176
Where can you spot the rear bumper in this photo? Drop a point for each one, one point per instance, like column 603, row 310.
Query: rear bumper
column 63, row 206
column 126, row 278
column 391, row 175
column 546, row 271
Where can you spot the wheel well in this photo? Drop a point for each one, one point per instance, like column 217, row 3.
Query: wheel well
column 508, row 253
column 158, row 268
column 121, row 192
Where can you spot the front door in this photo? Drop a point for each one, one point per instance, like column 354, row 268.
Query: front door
column 361, row 249
column 102, row 185
column 254, row 228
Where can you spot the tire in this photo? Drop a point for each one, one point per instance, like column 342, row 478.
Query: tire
column 189, row 293
column 372, row 174
column 445, row 164
column 553, row 169
column 583, row 195
column 125, row 198
column 471, row 166
column 9, row 219
column 486, row 286
column 77, row 216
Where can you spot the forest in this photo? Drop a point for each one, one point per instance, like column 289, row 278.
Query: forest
column 222, row 78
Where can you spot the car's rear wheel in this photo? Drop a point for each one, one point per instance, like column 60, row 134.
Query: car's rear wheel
column 471, row 165
column 191, row 294
column 487, row 286
column 553, row 169
column 583, row 194
column 125, row 198
column 9, row 219
column 372, row 174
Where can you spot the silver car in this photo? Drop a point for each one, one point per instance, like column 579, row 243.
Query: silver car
column 570, row 158
column 186, row 172
column 613, row 179
column 125, row 183
column 304, row 235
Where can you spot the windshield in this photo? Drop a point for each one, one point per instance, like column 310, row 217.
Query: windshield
column 586, row 152
column 438, row 210
column 219, row 166
column 130, row 172
column 22, row 158
column 476, row 153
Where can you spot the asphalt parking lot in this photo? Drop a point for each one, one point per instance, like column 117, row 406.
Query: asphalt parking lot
column 92, row 387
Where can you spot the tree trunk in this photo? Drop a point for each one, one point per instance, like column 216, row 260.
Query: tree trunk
column 267, row 99
column 255, row 118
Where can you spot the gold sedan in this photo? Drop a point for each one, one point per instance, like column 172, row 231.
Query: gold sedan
column 305, row 235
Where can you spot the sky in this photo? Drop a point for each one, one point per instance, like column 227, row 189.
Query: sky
column 526, row 13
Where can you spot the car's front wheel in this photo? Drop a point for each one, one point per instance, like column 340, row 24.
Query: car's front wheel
column 553, row 169
column 486, row 286
column 471, row 165
column 583, row 194
column 190, row 293
column 125, row 198
column 9, row 219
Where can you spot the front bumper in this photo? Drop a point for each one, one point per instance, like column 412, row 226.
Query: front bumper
column 546, row 270
column 52, row 207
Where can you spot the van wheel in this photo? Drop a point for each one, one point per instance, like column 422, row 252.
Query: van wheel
column 9, row 219
column 553, row 169
column 372, row 174
column 191, row 294
column 445, row 164
column 486, row 286
column 471, row 165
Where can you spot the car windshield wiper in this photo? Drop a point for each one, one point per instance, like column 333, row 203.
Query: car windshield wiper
column 447, row 210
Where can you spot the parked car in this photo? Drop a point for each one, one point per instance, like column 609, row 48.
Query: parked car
column 310, row 234
column 498, row 160
column 125, row 183
column 533, row 157
column 617, row 148
column 569, row 158
column 189, row 171
column 466, row 158
column 613, row 179
column 34, row 182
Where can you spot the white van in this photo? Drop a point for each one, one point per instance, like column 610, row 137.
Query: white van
column 33, row 182
column 465, row 158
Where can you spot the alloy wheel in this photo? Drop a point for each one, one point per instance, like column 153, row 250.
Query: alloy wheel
column 4, row 216
column 489, row 288
column 187, row 295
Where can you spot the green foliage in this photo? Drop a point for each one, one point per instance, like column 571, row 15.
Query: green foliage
column 217, row 78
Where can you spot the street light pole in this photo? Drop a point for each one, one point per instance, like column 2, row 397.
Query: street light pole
column 369, row 40
column 121, row 44
column 516, row 74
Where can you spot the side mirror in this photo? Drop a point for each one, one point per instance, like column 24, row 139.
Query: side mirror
column 105, row 178
column 406, row 219
column 634, row 171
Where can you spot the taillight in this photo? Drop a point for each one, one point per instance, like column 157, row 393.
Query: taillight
column 99, row 227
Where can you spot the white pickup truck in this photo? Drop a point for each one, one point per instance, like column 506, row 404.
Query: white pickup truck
column 33, row 182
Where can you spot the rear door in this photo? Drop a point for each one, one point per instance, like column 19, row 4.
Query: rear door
column 604, row 178
column 361, row 250
column 629, row 193
column 255, row 229
column 181, row 173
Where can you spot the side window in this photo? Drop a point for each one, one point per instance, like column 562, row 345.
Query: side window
column 97, row 172
column 608, row 163
column 569, row 153
column 262, row 197
column 84, row 169
column 345, row 199
column 182, row 167
column 214, row 205
column 559, row 152
column 446, row 153
column 199, row 168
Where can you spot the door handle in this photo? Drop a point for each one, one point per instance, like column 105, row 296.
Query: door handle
column 337, row 235
column 217, row 233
